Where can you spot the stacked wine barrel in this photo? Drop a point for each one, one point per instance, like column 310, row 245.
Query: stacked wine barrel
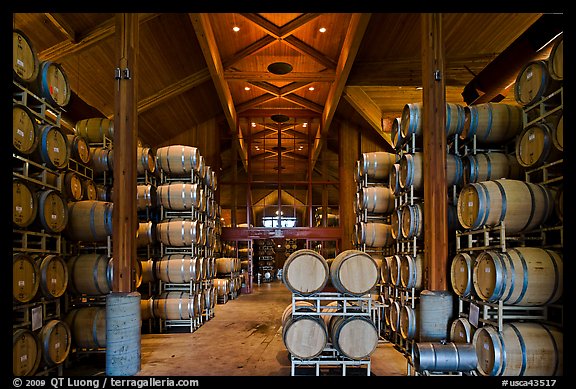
column 41, row 150
column 319, row 321
column 510, row 256
column 187, row 233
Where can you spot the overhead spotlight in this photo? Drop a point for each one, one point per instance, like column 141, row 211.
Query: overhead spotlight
column 235, row 28
column 322, row 29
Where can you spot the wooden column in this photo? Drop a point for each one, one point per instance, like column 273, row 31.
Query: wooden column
column 348, row 141
column 433, row 125
column 125, row 218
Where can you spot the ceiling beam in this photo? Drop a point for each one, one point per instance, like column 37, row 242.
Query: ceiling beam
column 327, row 76
column 254, row 102
column 301, row 101
column 205, row 35
column 264, row 24
column 293, row 87
column 175, row 89
column 267, row 87
column 265, row 112
column 290, row 27
column 368, row 109
column 86, row 40
column 354, row 35
column 249, row 50
column 62, row 25
column 305, row 49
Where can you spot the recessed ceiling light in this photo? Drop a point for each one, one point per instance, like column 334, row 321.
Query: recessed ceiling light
column 305, row 124
column 279, row 118
column 253, row 124
column 311, row 88
column 235, row 28
column 246, row 88
column 280, row 68
column 322, row 29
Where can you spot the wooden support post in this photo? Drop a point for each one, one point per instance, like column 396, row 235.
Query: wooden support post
column 348, row 145
column 125, row 223
column 433, row 125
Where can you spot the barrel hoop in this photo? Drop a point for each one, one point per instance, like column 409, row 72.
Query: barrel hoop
column 473, row 165
column 490, row 119
column 448, row 118
column 555, row 345
column 488, row 166
column 512, row 277
column 409, row 170
column 500, row 338
column 504, row 205
column 183, row 159
column 92, row 224
column 483, row 204
column 556, row 273
column 501, row 276
column 461, row 119
column 95, row 274
column 533, row 206
column 522, row 347
column 95, row 327
column 525, row 278
column 473, row 122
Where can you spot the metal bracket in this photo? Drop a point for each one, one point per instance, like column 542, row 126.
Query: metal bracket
column 437, row 75
column 122, row 74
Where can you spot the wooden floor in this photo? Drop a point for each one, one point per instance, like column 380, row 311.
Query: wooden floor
column 244, row 338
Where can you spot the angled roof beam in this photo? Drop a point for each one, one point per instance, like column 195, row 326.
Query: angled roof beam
column 293, row 87
column 62, row 25
column 368, row 109
column 103, row 31
column 207, row 41
column 305, row 49
column 249, row 50
column 267, row 87
column 290, row 27
column 254, row 102
column 301, row 101
column 264, row 24
column 354, row 35
column 327, row 76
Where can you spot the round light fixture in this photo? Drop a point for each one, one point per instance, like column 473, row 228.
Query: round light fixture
column 280, row 68
column 279, row 118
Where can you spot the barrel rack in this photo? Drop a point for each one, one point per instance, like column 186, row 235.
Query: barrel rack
column 330, row 356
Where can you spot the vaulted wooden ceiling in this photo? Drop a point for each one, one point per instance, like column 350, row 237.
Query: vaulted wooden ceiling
column 196, row 67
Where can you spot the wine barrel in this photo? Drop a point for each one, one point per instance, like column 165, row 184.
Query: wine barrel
column 26, row 352
column 522, row 206
column 524, row 276
column 396, row 134
column 435, row 315
column 52, row 211
column 145, row 161
column 534, row 82
column 178, row 232
column 146, row 196
column 411, row 271
column 558, row 132
column 461, row 273
column 56, row 339
column 354, row 336
column 179, row 196
column 178, row 268
column 178, row 160
column 90, row 220
column 556, row 60
column 385, row 270
column 174, row 305
column 490, row 166
column 305, row 272
column 227, row 265
column 354, row 272
column 52, row 149
column 412, row 221
column 24, row 203
column 148, row 270
column 394, row 315
column 88, row 326
column 25, row 135
column 95, row 129
column 201, row 168
column 25, row 62
column 53, row 276
column 102, row 159
column 396, row 223
column 461, row 331
column 90, row 274
column 72, row 188
column 52, row 84
column 408, row 323
column 223, row 286
column 304, row 335
column 394, row 180
column 90, row 189
column 492, row 123
column 444, row 357
column 376, row 165
column 377, row 199
column 374, row 234
column 411, row 172
column 146, row 309
column 25, row 278
column 411, row 120
column 146, row 233
column 395, row 265
column 535, row 146
column 511, row 351
column 79, row 149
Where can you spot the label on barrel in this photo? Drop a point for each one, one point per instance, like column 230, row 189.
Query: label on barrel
column 470, row 203
column 53, row 280
column 57, row 345
column 531, row 136
column 21, row 283
column 56, row 150
column 20, row 63
column 487, row 270
column 18, row 209
column 529, row 74
column 54, row 217
column 486, row 346
column 20, row 132
column 24, row 358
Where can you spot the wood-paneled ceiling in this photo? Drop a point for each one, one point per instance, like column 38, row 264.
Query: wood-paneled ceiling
column 195, row 67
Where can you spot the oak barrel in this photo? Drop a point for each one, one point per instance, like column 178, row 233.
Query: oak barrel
column 407, row 322
column 178, row 268
column 79, row 149
column 52, row 84
column 178, row 160
column 461, row 331
column 396, row 223
column 511, row 351
column 25, row 277
column 396, row 134
column 411, row 120
column 558, row 132
column 178, row 232
column 52, row 147
column 394, row 179
column 305, row 272
column 461, row 273
column 534, row 82
column 72, row 188
column 227, row 265
column 145, row 161
column 354, row 272
column 492, row 123
column 411, row 271
column 374, row 234
column 95, row 129
column 354, row 336
column 25, row 135
column 24, row 203
column 90, row 189
column 25, row 63
column 385, row 270
column 492, row 165
column 56, row 339
column 179, row 196
column 524, row 276
column 521, row 205
column 90, row 220
column 88, row 326
column 146, row 196
column 90, row 274
column 304, row 335
column 394, row 269
column 52, row 211
column 26, row 352
column 146, row 233
column 376, row 199
column 102, row 159
column 535, row 146
column 376, row 165
column 53, row 276
column 412, row 225
column 174, row 305
column 411, row 172
column 556, row 60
